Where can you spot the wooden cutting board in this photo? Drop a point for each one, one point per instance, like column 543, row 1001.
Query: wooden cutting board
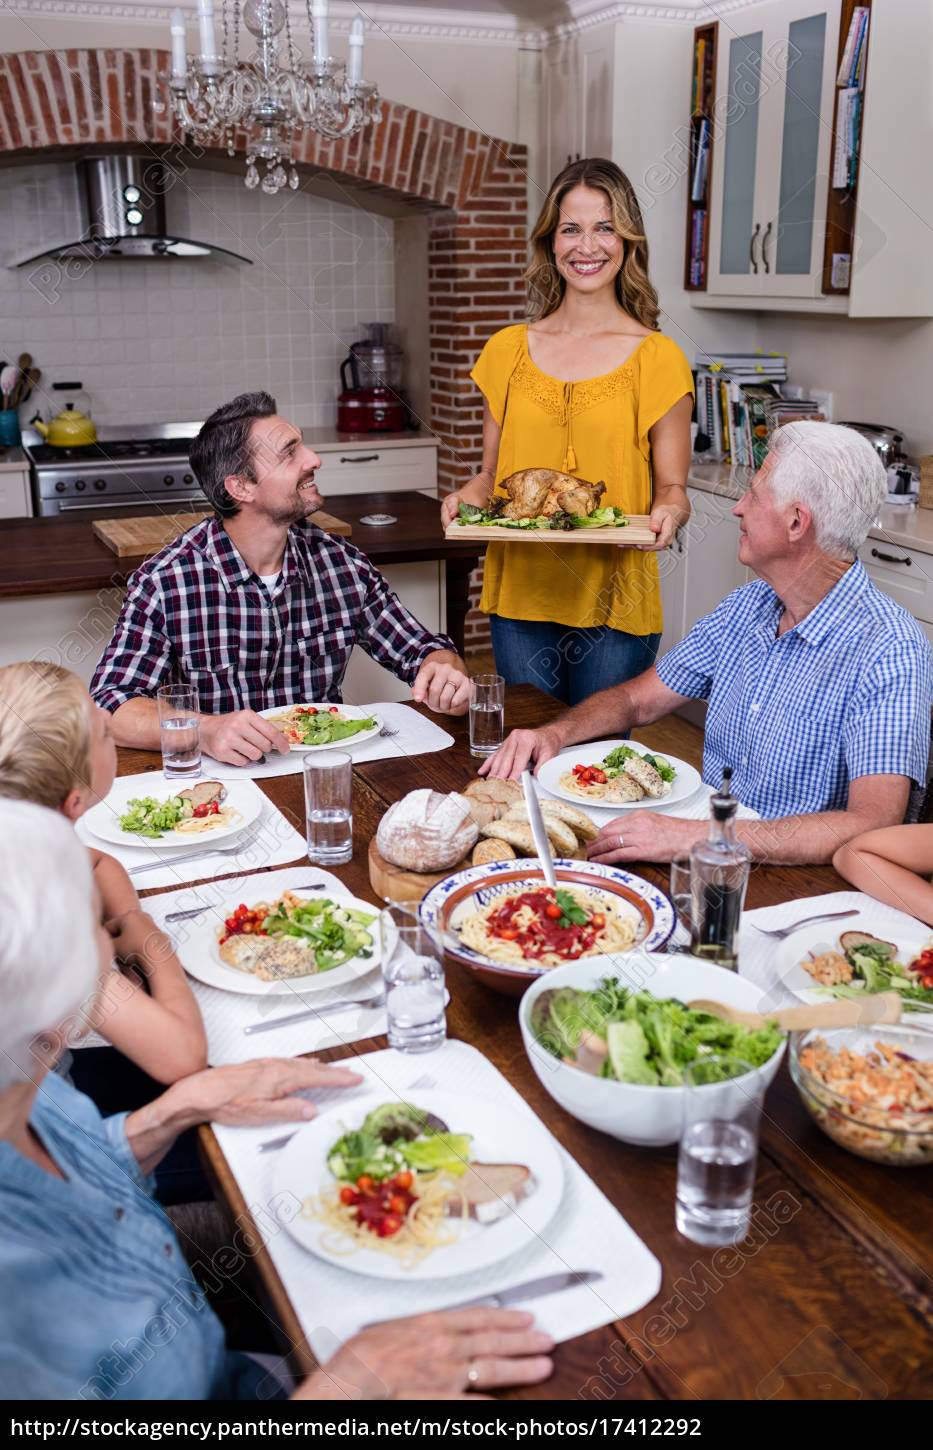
column 138, row 538
column 394, row 883
column 636, row 531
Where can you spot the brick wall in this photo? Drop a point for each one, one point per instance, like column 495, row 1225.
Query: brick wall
column 473, row 185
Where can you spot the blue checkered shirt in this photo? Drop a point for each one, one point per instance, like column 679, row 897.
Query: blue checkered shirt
column 196, row 612
column 847, row 692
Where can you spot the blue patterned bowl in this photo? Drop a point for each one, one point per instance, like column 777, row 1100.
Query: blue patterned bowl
column 447, row 904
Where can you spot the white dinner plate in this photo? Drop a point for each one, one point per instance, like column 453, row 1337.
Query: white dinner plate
column 103, row 820
column 199, row 952
column 686, row 782
column 879, row 920
column 499, row 1135
column 351, row 712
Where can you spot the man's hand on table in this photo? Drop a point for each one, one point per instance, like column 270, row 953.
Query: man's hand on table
column 240, row 737
column 442, row 685
column 433, row 1355
column 644, row 836
column 521, row 749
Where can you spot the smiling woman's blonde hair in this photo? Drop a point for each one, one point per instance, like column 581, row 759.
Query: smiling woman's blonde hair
column 45, row 733
column 634, row 292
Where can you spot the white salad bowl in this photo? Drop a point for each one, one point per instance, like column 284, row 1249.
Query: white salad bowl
column 647, row 1116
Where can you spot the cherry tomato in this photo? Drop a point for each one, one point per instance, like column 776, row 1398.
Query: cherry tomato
column 397, row 1204
column 200, row 811
column 553, row 911
column 333, row 710
column 403, row 1180
column 349, row 1195
column 597, row 921
column 364, row 1183
column 507, row 934
column 215, row 808
column 390, row 1225
column 312, row 709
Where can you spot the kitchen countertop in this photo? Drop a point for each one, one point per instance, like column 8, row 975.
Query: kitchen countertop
column 63, row 555
column 329, row 440
column 909, row 528
column 13, row 460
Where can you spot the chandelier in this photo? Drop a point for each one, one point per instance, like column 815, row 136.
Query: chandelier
column 273, row 97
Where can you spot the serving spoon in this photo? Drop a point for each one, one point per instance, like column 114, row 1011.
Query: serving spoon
column 877, row 1008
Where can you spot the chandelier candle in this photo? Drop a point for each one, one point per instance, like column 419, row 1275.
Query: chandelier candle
column 355, row 53
column 210, row 60
column 179, row 57
column 320, row 37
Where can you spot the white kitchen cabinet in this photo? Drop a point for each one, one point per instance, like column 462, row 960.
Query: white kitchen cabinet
column 15, row 494
column 421, row 588
column 365, row 467
column 702, row 567
column 775, row 83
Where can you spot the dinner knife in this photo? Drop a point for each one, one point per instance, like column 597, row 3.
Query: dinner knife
column 323, row 1011
column 521, row 1293
column 536, row 820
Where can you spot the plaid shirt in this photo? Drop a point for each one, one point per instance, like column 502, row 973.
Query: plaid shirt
column 845, row 693
column 196, row 612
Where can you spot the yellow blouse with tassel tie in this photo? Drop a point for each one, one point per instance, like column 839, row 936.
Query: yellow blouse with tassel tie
column 596, row 429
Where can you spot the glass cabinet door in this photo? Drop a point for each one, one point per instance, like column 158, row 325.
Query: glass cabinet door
column 790, row 251
column 738, row 246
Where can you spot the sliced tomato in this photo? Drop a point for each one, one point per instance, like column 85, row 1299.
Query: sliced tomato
column 364, row 1183
column 349, row 1195
column 553, row 911
column 403, row 1180
column 389, row 1225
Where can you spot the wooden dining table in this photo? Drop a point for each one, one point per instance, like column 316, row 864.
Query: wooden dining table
column 830, row 1296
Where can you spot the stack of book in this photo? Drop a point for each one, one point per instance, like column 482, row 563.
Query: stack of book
column 739, row 405
column 850, row 81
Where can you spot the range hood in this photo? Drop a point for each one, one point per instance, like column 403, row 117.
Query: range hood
column 123, row 199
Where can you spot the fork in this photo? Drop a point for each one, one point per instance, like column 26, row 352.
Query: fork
column 200, row 910
column 780, row 932
column 323, row 1011
column 193, row 856
column 386, row 734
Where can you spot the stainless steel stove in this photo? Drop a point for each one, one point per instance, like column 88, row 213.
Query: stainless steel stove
column 126, row 467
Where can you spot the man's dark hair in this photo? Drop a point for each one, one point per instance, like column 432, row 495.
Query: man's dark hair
column 222, row 447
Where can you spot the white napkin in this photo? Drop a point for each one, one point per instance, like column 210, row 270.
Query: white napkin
column 586, row 1232
column 417, row 736
column 227, row 1013
column 758, row 954
column 268, row 841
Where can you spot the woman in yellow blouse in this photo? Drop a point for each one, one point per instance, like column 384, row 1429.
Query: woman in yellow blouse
column 589, row 387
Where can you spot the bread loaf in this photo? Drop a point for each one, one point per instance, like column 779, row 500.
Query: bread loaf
column 427, row 831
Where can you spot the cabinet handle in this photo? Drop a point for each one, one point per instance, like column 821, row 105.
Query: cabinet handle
column 889, row 558
column 764, row 247
column 362, row 458
column 751, row 249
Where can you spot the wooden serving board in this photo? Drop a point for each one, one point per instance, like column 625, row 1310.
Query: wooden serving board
column 394, row 883
column 140, row 537
column 636, row 531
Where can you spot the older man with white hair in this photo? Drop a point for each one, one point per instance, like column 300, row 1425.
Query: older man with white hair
column 819, row 685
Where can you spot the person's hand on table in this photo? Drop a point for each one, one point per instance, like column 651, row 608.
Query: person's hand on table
column 664, row 520
column 442, row 687
column 644, row 836
column 444, row 1356
column 520, row 749
column 240, row 737
column 249, row 1094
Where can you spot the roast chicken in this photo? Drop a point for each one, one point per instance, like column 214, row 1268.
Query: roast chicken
column 543, row 491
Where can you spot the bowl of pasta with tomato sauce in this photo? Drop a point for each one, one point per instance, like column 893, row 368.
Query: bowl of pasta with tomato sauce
column 508, row 927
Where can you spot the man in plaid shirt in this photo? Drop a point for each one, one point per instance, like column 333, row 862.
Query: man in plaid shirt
column 819, row 685
column 257, row 608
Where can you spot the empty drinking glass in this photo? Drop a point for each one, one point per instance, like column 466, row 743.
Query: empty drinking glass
column 722, row 1099
column 329, row 807
column 413, row 971
column 487, row 714
column 682, row 899
column 179, row 732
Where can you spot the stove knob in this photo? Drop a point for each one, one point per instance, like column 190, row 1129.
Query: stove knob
column 188, row 478
column 80, row 485
column 59, row 487
column 100, row 484
column 168, row 480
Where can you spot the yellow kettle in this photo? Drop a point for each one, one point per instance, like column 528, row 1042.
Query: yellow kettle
column 68, row 429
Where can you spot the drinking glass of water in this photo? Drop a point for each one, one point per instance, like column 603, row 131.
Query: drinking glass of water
column 487, row 714
column 329, row 807
column 413, row 972
column 683, row 901
column 718, row 1149
column 179, row 732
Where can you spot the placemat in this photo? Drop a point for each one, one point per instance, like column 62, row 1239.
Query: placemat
column 757, row 953
column 416, row 736
column 270, row 841
column 227, row 1013
column 586, row 1232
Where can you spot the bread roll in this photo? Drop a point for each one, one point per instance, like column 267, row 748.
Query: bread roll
column 484, row 811
column 502, row 791
column 492, row 850
column 578, row 821
column 427, row 831
column 559, row 833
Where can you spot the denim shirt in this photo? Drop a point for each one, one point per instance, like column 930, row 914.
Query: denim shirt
column 97, row 1299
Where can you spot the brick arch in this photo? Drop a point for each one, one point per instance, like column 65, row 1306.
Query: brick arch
column 473, row 185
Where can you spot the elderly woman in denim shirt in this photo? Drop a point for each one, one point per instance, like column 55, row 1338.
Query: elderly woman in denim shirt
column 98, row 1300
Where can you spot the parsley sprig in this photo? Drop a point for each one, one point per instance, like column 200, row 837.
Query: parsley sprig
column 574, row 915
